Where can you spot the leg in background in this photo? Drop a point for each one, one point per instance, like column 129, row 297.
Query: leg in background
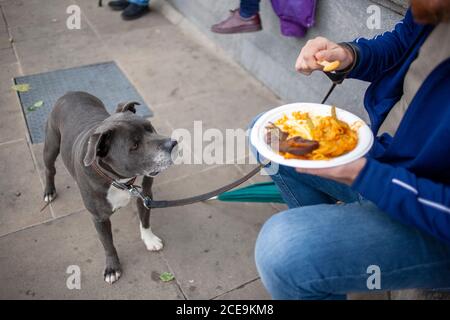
column 135, row 9
column 118, row 5
column 139, row 2
column 244, row 19
column 249, row 8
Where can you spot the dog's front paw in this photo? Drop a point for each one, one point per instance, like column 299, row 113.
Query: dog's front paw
column 49, row 194
column 112, row 272
column 152, row 242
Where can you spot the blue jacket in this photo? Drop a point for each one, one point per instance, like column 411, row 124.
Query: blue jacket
column 408, row 175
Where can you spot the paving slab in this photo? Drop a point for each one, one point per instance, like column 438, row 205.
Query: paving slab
column 172, row 70
column 12, row 123
column 251, row 291
column 32, row 21
column 210, row 245
column 195, row 182
column 376, row 295
column 418, row 294
column 34, row 262
column 280, row 207
column 228, row 109
column 222, row 111
column 10, row 69
column 162, row 126
column 7, row 57
column 4, row 36
column 20, row 189
column 40, row 32
column 181, row 172
column 162, row 70
column 108, row 22
column 59, row 52
column 33, row 12
column 3, row 26
column 153, row 44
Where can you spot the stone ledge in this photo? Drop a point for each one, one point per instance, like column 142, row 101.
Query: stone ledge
column 399, row 6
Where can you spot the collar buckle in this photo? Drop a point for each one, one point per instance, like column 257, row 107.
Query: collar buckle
column 134, row 191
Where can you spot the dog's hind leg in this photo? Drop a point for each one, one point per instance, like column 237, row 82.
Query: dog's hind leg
column 51, row 151
column 152, row 242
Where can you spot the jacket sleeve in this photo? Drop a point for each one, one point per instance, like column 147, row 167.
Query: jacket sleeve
column 416, row 201
column 380, row 53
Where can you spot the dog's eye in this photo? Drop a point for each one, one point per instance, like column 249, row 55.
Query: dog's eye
column 135, row 146
column 148, row 127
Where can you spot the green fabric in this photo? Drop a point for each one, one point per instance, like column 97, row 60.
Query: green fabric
column 258, row 192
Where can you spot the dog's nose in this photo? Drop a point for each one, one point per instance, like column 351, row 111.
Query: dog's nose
column 169, row 144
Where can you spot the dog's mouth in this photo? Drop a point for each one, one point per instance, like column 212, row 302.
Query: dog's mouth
column 161, row 161
column 155, row 171
column 152, row 173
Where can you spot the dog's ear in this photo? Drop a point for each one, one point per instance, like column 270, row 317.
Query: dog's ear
column 127, row 106
column 98, row 146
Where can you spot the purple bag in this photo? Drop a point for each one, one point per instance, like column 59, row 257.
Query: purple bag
column 296, row 16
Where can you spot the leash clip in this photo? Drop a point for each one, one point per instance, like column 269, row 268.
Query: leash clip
column 134, row 191
column 147, row 201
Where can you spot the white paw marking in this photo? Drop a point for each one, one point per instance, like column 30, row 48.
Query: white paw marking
column 111, row 278
column 152, row 242
column 118, row 198
column 49, row 197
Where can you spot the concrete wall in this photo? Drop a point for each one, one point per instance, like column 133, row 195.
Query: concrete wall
column 270, row 57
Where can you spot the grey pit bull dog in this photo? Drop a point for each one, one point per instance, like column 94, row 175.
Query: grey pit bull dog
column 95, row 146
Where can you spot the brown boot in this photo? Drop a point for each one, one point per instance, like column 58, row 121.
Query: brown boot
column 236, row 24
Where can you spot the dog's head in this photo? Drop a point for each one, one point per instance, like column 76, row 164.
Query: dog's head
column 129, row 144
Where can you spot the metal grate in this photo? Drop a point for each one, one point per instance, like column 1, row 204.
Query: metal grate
column 104, row 80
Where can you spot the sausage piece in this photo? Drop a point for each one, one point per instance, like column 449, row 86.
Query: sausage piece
column 298, row 146
column 295, row 145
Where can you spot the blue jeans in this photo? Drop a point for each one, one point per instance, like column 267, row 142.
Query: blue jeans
column 322, row 250
column 140, row 2
column 248, row 8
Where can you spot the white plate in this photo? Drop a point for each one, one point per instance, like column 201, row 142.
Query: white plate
column 257, row 135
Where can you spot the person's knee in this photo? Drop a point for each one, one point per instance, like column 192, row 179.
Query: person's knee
column 278, row 246
column 266, row 244
column 292, row 250
column 278, row 239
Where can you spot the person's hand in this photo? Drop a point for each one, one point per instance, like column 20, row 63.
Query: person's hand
column 319, row 49
column 346, row 173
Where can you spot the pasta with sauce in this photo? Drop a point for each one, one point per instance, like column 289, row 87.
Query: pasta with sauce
column 335, row 137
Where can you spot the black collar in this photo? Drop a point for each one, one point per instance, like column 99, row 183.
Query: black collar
column 106, row 174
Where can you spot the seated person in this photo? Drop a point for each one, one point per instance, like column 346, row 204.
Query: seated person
column 388, row 211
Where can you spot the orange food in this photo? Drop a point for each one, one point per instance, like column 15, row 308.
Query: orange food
column 335, row 137
column 330, row 66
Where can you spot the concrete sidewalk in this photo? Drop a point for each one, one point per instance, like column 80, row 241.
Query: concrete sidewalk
column 208, row 246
